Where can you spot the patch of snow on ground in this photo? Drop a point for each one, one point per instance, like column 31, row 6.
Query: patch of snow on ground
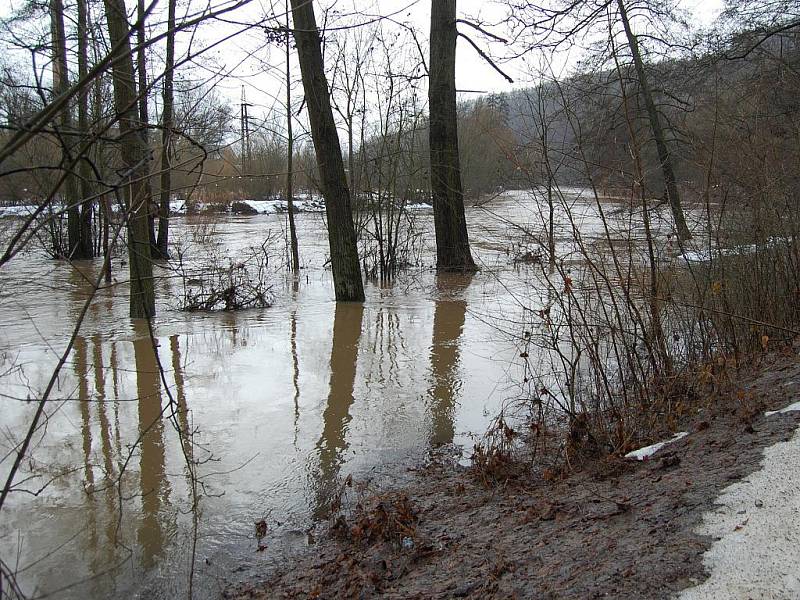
column 648, row 451
column 785, row 409
column 272, row 207
column 706, row 254
column 17, row 211
column 757, row 528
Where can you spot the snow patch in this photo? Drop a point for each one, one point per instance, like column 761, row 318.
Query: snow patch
column 648, row 451
column 280, row 206
column 23, row 210
column 707, row 254
column 757, row 528
column 792, row 407
column 177, row 207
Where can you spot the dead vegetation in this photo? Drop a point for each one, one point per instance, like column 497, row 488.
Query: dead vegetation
column 370, row 517
column 212, row 281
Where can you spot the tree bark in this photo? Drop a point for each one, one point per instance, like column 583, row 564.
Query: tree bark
column 144, row 118
column 167, row 123
column 60, row 85
column 135, row 156
column 664, row 158
column 290, row 151
column 452, row 240
column 86, row 248
column 341, row 232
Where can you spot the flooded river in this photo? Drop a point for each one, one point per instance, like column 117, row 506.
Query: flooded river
column 283, row 402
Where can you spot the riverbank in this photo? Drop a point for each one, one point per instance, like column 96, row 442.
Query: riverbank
column 618, row 528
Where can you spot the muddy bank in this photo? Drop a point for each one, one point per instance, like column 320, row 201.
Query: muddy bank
column 619, row 529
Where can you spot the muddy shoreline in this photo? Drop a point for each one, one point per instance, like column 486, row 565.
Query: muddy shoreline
column 616, row 529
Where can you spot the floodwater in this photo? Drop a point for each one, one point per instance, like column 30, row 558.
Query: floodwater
column 283, row 403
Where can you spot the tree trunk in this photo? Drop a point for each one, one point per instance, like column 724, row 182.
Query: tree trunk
column 144, row 118
column 341, row 232
column 290, row 151
column 452, row 239
column 86, row 249
column 658, row 132
column 167, row 123
column 60, row 85
column 105, row 210
column 134, row 154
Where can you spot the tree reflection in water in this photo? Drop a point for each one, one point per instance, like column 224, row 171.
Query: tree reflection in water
column 448, row 325
column 336, row 417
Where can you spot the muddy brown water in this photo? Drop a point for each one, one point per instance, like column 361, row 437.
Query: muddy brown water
column 284, row 403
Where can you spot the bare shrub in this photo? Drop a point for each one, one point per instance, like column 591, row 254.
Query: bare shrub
column 389, row 517
column 213, row 281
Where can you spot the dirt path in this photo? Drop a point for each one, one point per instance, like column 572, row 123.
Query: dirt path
column 626, row 530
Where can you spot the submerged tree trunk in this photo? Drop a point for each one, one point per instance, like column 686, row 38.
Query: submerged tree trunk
column 167, row 119
column 664, row 158
column 289, row 151
column 60, row 85
column 134, row 154
column 341, row 232
column 452, row 239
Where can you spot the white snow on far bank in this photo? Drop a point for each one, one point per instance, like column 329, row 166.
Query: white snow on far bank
column 706, row 254
column 272, row 207
column 22, row 210
column 785, row 409
column 262, row 207
column 648, row 451
column 757, row 528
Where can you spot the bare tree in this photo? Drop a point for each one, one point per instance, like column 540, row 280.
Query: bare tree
column 452, row 240
column 144, row 117
column 556, row 26
column 60, row 85
column 86, row 247
column 167, row 123
column 290, row 150
column 135, row 156
column 333, row 180
column 655, row 125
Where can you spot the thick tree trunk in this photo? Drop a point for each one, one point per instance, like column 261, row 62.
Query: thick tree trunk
column 290, row 151
column 452, row 240
column 60, row 85
column 664, row 158
column 135, row 157
column 341, row 232
column 86, row 249
column 167, row 122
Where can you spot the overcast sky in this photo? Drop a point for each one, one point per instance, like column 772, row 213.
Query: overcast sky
column 247, row 60
column 472, row 72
